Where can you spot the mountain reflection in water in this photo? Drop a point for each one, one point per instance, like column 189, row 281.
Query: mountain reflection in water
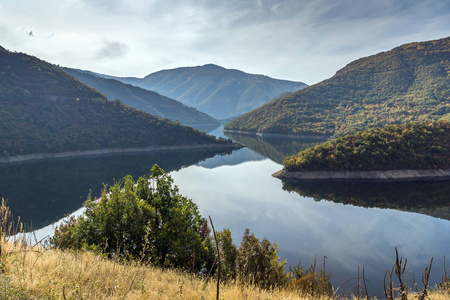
column 274, row 148
column 45, row 191
column 429, row 198
column 237, row 190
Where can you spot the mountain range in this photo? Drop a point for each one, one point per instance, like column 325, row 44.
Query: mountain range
column 219, row 92
column 408, row 83
column 145, row 100
column 46, row 110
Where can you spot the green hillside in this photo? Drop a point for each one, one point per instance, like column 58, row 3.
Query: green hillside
column 423, row 145
column 43, row 109
column 145, row 100
column 408, row 83
column 219, row 92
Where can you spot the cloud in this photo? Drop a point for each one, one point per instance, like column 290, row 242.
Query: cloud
column 112, row 50
column 289, row 39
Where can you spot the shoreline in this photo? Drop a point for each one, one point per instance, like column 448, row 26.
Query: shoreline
column 365, row 176
column 97, row 152
column 279, row 135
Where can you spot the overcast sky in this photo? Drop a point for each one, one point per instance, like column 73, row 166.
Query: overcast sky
column 300, row 40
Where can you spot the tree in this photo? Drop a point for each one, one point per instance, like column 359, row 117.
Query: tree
column 228, row 254
column 145, row 219
column 258, row 262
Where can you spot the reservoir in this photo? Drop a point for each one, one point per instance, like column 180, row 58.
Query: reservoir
column 347, row 225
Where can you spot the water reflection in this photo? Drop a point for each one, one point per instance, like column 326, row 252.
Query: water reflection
column 247, row 196
column 43, row 192
column 238, row 192
column 238, row 157
column 207, row 128
column 429, row 198
column 274, row 148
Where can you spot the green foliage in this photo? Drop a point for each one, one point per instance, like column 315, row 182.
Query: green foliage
column 145, row 100
column 408, row 83
column 228, row 254
column 63, row 237
column 417, row 145
column 258, row 262
column 147, row 219
column 45, row 110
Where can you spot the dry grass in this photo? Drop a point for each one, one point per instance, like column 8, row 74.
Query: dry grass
column 37, row 273
column 34, row 272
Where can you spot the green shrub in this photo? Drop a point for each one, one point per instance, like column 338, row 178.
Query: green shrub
column 147, row 219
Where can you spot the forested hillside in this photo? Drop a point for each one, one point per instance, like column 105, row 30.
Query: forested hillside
column 43, row 109
column 408, row 83
column 145, row 100
column 219, row 92
column 418, row 146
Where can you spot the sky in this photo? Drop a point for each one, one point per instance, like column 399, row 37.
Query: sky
column 299, row 40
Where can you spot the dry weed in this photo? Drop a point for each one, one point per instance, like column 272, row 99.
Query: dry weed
column 55, row 274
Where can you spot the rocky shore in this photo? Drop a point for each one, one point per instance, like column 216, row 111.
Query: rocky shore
column 366, row 176
column 43, row 156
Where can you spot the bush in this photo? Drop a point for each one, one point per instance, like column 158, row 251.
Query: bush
column 147, row 219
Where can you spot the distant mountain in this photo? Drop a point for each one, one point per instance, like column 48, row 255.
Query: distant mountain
column 219, row 92
column 43, row 109
column 408, row 83
column 145, row 100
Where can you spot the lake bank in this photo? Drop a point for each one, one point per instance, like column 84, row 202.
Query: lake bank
column 96, row 152
column 279, row 135
column 366, row 176
column 238, row 192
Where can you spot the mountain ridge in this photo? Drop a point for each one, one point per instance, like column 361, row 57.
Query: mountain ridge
column 45, row 110
column 215, row 90
column 148, row 101
column 408, row 83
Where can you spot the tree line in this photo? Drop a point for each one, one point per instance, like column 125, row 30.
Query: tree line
column 416, row 145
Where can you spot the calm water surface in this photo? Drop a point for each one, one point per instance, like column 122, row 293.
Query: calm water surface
column 343, row 223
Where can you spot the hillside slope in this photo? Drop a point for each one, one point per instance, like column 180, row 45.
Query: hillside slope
column 408, row 83
column 145, row 100
column 411, row 146
column 219, row 92
column 45, row 110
